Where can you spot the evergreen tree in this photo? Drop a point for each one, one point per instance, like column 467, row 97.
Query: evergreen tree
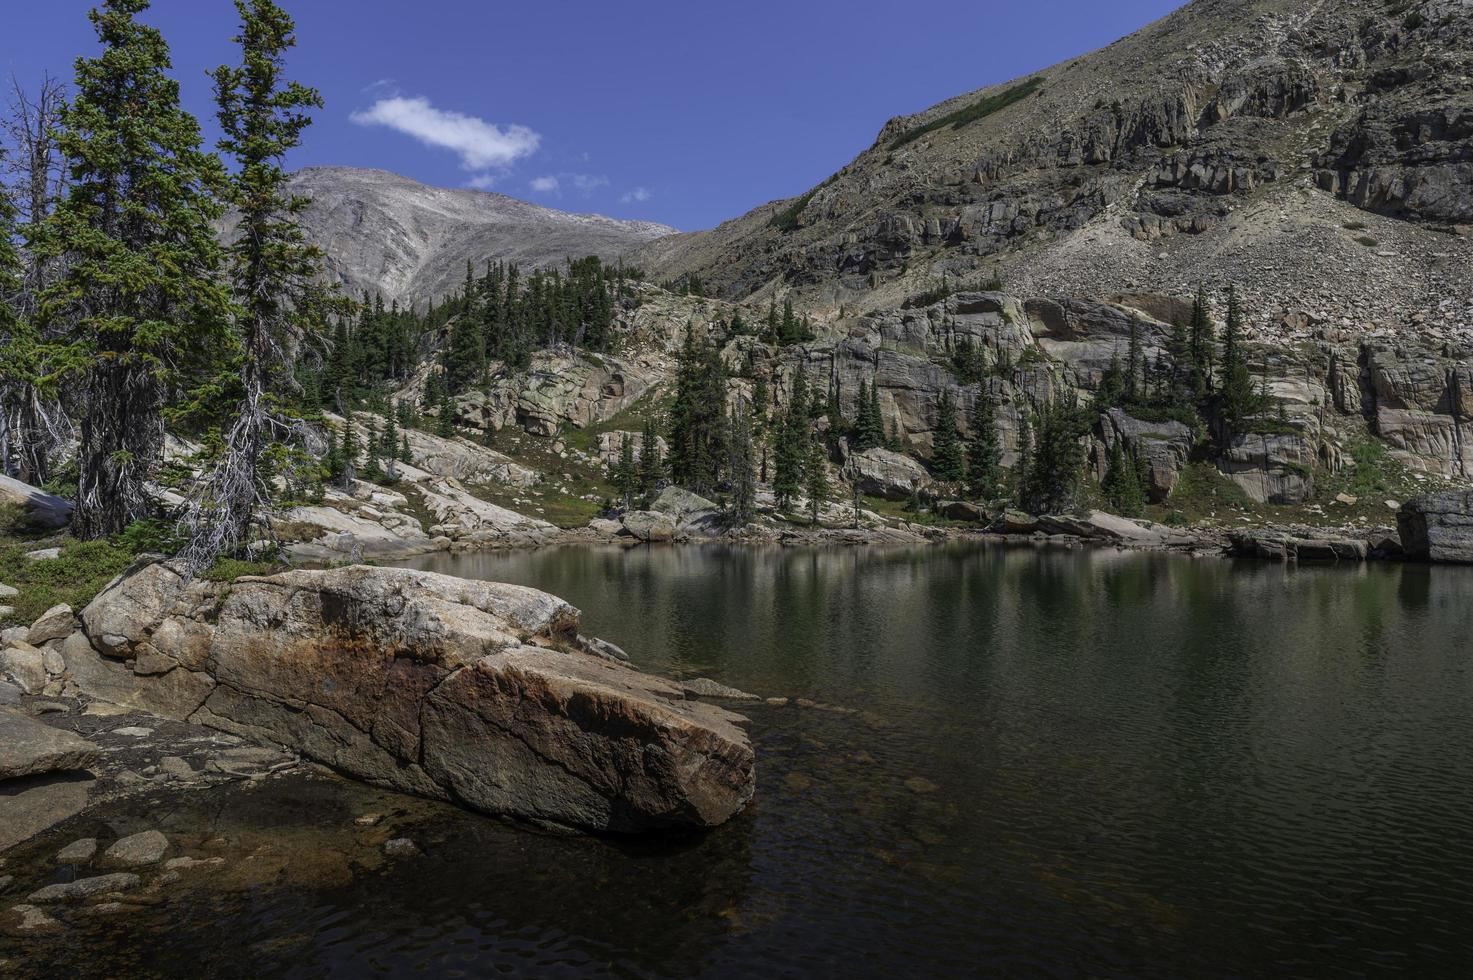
column 1202, row 344
column 1176, row 373
column 1122, row 485
column 1023, row 467
column 743, row 485
column 791, row 451
column 626, row 474
column 404, row 455
column 445, row 422
column 141, row 310
column 275, row 273
column 983, row 454
column 698, row 430
column 1111, row 392
column 1134, row 366
column 1052, row 485
column 948, row 455
column 1240, row 398
column 815, row 478
column 334, row 458
column 465, row 357
column 651, row 463
column 350, row 455
column 390, row 450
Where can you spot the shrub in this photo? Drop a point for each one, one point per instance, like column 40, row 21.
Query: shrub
column 980, row 109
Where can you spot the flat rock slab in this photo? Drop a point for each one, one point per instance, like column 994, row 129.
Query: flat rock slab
column 78, row 852
column 29, row 748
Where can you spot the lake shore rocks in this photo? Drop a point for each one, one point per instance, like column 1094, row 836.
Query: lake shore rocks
column 477, row 692
column 1438, row 527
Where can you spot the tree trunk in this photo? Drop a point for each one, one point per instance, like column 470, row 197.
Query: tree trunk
column 122, row 436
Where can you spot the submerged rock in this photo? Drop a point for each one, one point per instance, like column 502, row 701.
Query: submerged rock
column 137, row 851
column 479, row 692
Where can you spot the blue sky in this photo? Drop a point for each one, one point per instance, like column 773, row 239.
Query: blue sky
column 686, row 113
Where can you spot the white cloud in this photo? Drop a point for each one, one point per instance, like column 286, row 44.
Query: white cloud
column 482, row 182
column 482, row 146
column 587, row 183
column 639, row 194
column 584, row 184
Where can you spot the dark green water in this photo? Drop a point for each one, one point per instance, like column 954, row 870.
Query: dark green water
column 1060, row 763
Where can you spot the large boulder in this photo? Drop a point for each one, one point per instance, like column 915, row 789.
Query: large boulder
column 29, row 748
column 478, row 692
column 689, row 511
column 38, row 509
column 1097, row 525
column 649, row 526
column 882, row 473
column 1438, row 527
column 1272, row 468
column 1161, row 447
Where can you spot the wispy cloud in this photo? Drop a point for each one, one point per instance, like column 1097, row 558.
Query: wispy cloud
column 639, row 194
column 585, row 184
column 483, row 147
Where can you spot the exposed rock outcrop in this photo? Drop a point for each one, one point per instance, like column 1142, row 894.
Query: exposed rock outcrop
column 1438, row 527
column 476, row 692
column 38, row 509
column 882, row 473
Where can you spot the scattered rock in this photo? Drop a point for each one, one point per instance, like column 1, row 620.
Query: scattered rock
column 137, row 851
column 401, row 847
column 78, row 852
column 192, row 863
column 369, row 819
column 920, row 784
column 705, row 687
column 649, row 526
column 26, row 666
column 43, row 554
column 27, row 920
column 54, row 624
column 70, row 891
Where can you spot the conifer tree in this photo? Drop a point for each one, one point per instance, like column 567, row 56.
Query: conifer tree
column 815, row 478
column 983, row 454
column 1240, row 398
column 404, row 456
column 791, row 452
column 141, row 309
column 274, row 275
column 1134, row 366
column 626, row 474
column 651, row 463
column 948, row 455
column 445, row 422
column 1122, row 483
column 743, row 485
column 1203, row 345
column 390, row 450
column 350, row 455
column 1023, row 467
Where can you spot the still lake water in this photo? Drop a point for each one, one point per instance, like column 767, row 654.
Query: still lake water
column 1051, row 763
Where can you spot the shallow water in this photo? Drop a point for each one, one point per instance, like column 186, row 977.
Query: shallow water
column 1049, row 763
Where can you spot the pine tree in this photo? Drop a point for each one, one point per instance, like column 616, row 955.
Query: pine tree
column 465, row 357
column 445, row 422
column 651, row 463
column 1240, row 398
column 983, row 454
column 1202, row 344
column 948, row 456
column 815, row 478
column 275, row 274
column 1023, row 467
column 743, row 485
column 1058, row 458
column 334, row 458
column 350, row 454
column 391, row 442
column 790, row 454
column 141, row 310
column 626, row 474
column 1122, row 485
column 1134, row 367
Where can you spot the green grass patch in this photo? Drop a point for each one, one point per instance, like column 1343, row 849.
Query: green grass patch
column 980, row 109
column 74, row 577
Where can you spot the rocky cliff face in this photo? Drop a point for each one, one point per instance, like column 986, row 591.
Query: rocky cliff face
column 1320, row 155
column 388, row 234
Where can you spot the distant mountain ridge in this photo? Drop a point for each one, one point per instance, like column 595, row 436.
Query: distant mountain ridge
column 384, row 233
column 1318, row 153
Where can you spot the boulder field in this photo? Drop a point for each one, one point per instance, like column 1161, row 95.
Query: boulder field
column 480, row 693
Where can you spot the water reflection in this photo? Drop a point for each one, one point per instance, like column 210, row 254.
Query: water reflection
column 1047, row 761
